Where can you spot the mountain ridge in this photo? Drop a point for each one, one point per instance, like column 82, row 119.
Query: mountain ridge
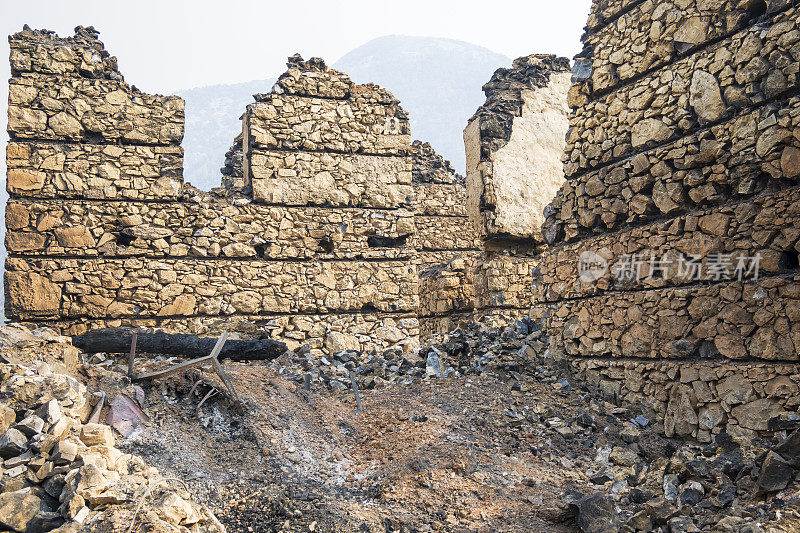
column 437, row 80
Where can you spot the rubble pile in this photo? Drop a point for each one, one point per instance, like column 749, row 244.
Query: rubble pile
column 633, row 478
column 463, row 352
column 60, row 471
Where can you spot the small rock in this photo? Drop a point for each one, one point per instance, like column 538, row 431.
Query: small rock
column 18, row 460
column 16, row 471
column 585, row 419
column 601, row 478
column 629, row 434
column 775, row 473
column 19, row 510
column 641, row 521
column 640, row 496
column 691, row 493
column 50, row 412
column 7, row 417
column 12, row 443
column 71, row 506
column 660, row 510
column 30, row 425
column 623, row 456
column 789, row 449
column 670, row 487
column 596, row 513
column 64, row 452
column 682, row 524
column 93, row 434
column 433, row 366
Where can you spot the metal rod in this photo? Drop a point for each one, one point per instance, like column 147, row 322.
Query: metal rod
column 174, row 369
column 218, row 367
column 133, row 353
column 355, row 389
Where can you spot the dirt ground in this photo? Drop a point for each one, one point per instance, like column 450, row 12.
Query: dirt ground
column 481, row 453
column 511, row 444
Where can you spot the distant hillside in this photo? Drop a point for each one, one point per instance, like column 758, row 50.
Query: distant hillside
column 212, row 121
column 438, row 81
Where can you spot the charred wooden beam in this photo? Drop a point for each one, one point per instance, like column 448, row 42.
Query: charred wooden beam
column 118, row 340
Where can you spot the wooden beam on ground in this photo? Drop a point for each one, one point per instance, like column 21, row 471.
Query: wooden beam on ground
column 119, row 341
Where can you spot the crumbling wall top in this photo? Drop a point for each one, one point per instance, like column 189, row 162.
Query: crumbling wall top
column 430, row 167
column 43, row 51
column 313, row 78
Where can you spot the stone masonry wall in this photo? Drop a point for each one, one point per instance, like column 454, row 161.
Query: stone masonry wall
column 312, row 239
column 683, row 152
column 447, row 241
column 514, row 144
column 443, row 229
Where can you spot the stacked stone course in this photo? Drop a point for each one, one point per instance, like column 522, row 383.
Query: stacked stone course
column 683, row 143
column 311, row 239
column 443, row 230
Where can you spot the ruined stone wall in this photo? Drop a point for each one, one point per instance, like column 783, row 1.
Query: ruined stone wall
column 447, row 241
column 683, row 152
column 513, row 145
column 311, row 239
column 443, row 230
column 318, row 143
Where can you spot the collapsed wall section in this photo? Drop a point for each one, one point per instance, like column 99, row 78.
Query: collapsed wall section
column 103, row 232
column 672, row 276
column 513, row 144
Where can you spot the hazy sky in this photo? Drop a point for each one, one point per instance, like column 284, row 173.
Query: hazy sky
column 166, row 45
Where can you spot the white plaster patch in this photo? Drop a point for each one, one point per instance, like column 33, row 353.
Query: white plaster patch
column 527, row 171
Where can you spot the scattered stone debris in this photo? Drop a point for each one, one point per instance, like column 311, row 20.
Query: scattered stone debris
column 60, row 472
column 480, row 430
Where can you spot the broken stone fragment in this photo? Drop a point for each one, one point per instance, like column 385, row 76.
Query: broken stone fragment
column 18, row 509
column 775, row 473
column 64, row 452
column 623, row 456
column 596, row 513
column 691, row 493
column 177, row 511
column 12, row 443
column 18, row 460
column 7, row 417
column 26, row 512
column 50, row 412
column 93, row 434
column 789, row 449
column 30, row 425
